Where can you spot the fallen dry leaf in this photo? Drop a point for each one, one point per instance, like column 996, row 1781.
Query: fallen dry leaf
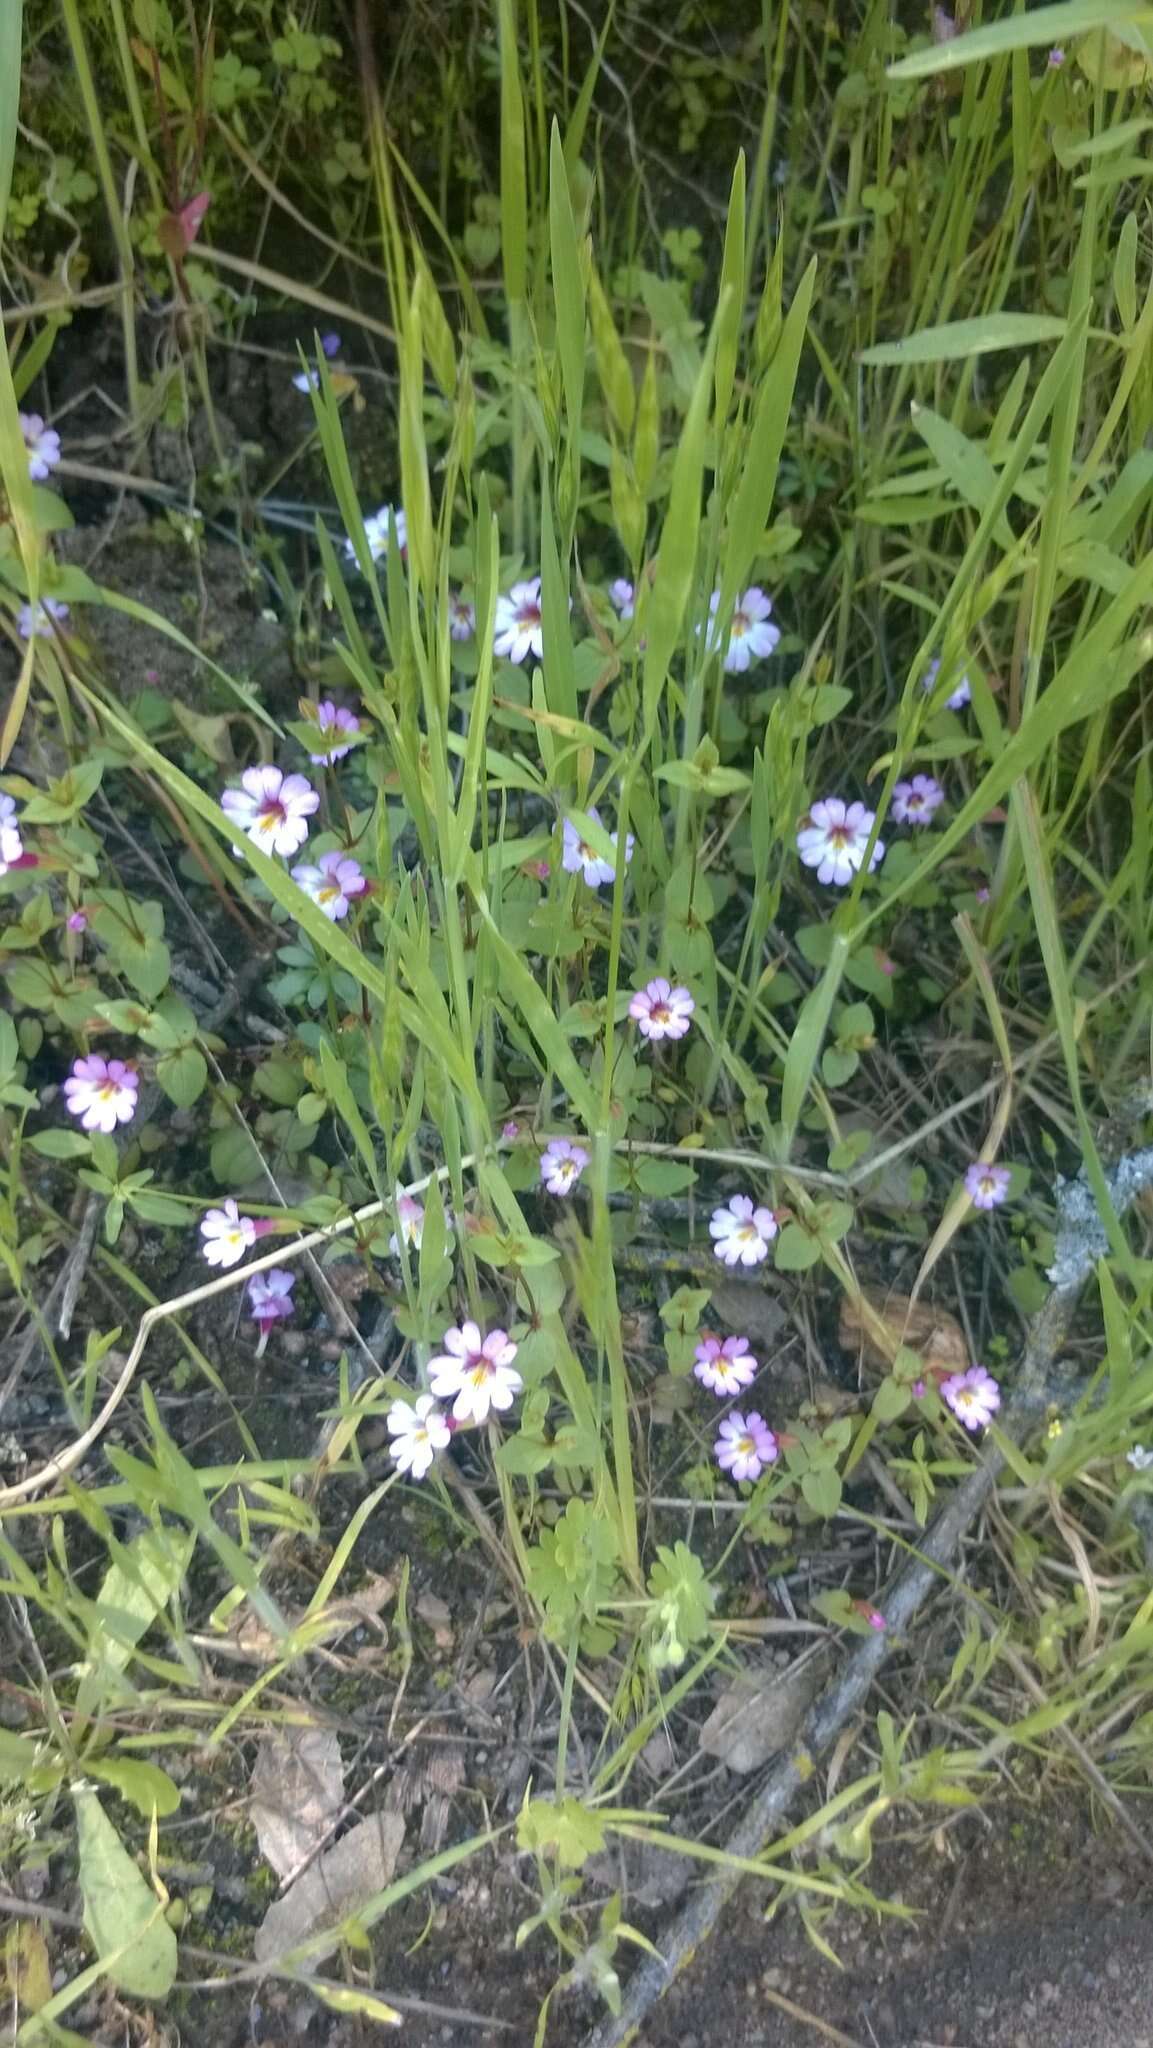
column 877, row 1326
column 297, row 1793
column 760, row 1712
column 339, row 1883
column 247, row 1641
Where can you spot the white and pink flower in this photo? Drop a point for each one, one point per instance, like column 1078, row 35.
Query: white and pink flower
column 43, row 446
column 461, row 618
column 661, row 1011
column 228, row 1235
column 475, row 1372
column 332, row 719
column 742, row 1232
column 745, row 1445
column 724, row 1367
column 102, row 1093
column 418, row 1431
column 409, row 1224
column 380, row 530
column 833, row 837
column 270, row 1301
column 11, row 844
column 40, row 622
column 272, row 809
column 333, row 884
column 622, row 597
column 973, row 1396
column 961, row 693
column 518, row 630
column 561, row 1165
column 578, row 857
column 915, row 802
column 751, row 636
column 985, row 1185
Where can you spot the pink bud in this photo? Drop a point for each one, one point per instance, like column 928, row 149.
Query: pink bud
column 78, row 922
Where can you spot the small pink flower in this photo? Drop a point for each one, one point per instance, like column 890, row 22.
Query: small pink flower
column 272, row 809
column 914, row 802
column 102, row 1093
column 517, row 627
column 622, row 597
column 42, row 444
column 418, row 1431
column 270, row 1300
column 227, row 1234
column 750, row 635
column 986, row 1186
column 409, row 1224
column 662, row 1011
column 918, row 1390
column 742, row 1232
column 40, row 624
column 78, row 921
column 982, row 895
column 332, row 718
column 875, row 1618
column 724, row 1368
column 973, row 1396
column 461, row 618
column 510, row 1131
column 477, row 1370
column 958, row 697
column 333, row 884
column 1055, row 58
column 561, row 1165
column 578, row 857
column 745, row 1445
column 833, row 837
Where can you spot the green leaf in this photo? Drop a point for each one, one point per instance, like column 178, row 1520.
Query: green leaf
column 795, row 1250
column 144, row 1785
column 122, row 1915
column 570, row 1831
column 17, row 1757
column 958, row 340
column 821, row 1487
column 1035, row 28
column 60, row 1144
column 183, row 1075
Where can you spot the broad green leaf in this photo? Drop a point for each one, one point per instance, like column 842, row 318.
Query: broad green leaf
column 959, row 340
column 123, row 1917
column 145, row 1786
column 183, row 1075
column 136, row 1588
column 808, row 1038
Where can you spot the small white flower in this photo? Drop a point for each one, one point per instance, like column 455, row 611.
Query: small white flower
column 307, row 380
column 833, row 838
column 272, row 809
column 475, row 1372
column 622, row 596
column 461, row 618
column 333, row 883
column 915, row 802
column 418, row 1431
column 227, row 1234
column 11, row 844
column 1140, row 1458
column 43, row 445
column 41, row 623
column 958, row 697
column 517, row 627
column 561, row 1165
column 380, row 530
column 742, row 1232
column 750, row 635
column 102, row 1093
column 578, row 857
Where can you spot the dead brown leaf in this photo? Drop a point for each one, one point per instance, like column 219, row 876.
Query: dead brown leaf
column 339, row 1883
column 297, row 1793
column 247, row 1641
column 877, row 1326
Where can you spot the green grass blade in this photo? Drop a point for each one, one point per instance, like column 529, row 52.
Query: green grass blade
column 1036, row 28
